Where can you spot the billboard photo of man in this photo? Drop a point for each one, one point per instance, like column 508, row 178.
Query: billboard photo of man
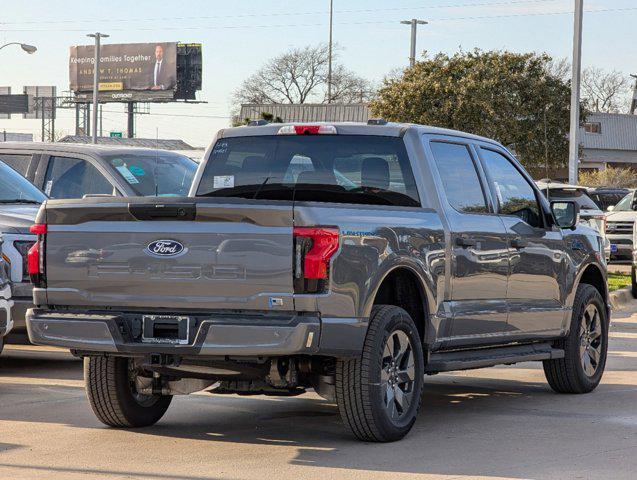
column 163, row 76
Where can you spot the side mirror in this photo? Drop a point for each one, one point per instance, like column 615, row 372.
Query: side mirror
column 610, row 208
column 566, row 214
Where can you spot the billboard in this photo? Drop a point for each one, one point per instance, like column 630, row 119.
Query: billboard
column 128, row 67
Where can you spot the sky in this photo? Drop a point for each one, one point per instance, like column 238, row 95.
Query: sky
column 238, row 37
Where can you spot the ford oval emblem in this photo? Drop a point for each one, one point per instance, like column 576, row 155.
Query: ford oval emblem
column 165, row 248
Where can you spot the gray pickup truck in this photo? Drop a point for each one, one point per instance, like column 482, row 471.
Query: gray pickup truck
column 349, row 258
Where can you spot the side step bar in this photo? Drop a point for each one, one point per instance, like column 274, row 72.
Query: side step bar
column 488, row 357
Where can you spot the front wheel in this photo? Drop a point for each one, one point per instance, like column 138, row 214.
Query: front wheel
column 111, row 391
column 378, row 394
column 585, row 347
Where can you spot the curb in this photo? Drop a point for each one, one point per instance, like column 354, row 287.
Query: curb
column 621, row 297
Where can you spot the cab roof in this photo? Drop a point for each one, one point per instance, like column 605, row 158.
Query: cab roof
column 388, row 129
column 89, row 149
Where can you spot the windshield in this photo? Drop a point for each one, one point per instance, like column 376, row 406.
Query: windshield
column 625, row 204
column 578, row 196
column 14, row 188
column 320, row 168
column 150, row 173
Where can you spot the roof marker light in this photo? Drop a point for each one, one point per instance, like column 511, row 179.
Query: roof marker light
column 307, row 130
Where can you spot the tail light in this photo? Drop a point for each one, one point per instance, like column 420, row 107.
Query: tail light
column 35, row 257
column 314, row 247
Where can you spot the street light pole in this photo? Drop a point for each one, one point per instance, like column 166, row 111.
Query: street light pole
column 329, row 56
column 414, row 22
column 573, row 151
column 96, row 78
column 27, row 48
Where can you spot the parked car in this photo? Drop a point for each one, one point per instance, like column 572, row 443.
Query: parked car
column 590, row 213
column 620, row 223
column 19, row 203
column 73, row 171
column 6, row 322
column 441, row 255
column 66, row 170
column 606, row 197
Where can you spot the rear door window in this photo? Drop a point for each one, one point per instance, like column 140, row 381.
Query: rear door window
column 322, row 168
column 19, row 162
column 459, row 176
column 68, row 177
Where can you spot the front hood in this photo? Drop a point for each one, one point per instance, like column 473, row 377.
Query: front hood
column 628, row 216
column 17, row 218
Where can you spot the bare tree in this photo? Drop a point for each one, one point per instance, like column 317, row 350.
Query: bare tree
column 300, row 76
column 605, row 91
column 560, row 68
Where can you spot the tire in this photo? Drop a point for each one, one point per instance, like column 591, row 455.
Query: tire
column 578, row 371
column 1, row 344
column 633, row 281
column 113, row 398
column 365, row 385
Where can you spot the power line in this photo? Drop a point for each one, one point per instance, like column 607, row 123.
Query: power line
column 283, row 14
column 376, row 22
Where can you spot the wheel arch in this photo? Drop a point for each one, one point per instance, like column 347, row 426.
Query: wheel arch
column 404, row 287
column 592, row 274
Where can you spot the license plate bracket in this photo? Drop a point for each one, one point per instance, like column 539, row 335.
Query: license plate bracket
column 170, row 329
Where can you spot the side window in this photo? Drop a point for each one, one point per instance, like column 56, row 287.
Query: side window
column 515, row 194
column 460, row 178
column 73, row 178
column 20, row 163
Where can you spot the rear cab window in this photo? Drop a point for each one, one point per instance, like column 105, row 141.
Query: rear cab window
column 154, row 174
column 359, row 169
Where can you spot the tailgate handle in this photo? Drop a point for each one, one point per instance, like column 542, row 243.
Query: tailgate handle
column 163, row 211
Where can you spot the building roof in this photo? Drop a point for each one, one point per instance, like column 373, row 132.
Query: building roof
column 163, row 144
column 618, row 132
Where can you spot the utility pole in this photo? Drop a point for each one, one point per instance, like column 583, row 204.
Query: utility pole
column 329, row 56
column 96, row 78
column 633, row 105
column 414, row 22
column 573, row 151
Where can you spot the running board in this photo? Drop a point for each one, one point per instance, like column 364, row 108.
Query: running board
column 488, row 357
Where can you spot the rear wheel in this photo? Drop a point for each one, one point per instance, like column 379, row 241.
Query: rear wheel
column 111, row 391
column 379, row 394
column 585, row 347
column 633, row 278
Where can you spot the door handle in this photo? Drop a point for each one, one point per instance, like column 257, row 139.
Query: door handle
column 518, row 243
column 466, row 242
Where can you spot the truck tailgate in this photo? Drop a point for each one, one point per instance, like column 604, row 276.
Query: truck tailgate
column 181, row 254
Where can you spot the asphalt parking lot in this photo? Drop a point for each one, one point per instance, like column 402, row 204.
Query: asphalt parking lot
column 493, row 423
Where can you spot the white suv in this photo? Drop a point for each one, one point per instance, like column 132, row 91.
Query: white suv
column 6, row 322
column 620, row 222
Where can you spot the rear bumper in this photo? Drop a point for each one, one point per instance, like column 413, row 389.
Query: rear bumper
column 19, row 313
column 6, row 321
column 212, row 335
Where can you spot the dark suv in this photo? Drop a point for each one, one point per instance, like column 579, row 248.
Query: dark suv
column 348, row 258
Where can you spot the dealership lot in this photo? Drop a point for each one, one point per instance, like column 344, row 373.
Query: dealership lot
column 500, row 422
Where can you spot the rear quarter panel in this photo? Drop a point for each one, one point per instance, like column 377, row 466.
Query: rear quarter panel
column 374, row 241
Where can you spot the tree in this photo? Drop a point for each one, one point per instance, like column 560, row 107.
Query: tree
column 300, row 76
column 609, row 177
column 605, row 91
column 511, row 97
